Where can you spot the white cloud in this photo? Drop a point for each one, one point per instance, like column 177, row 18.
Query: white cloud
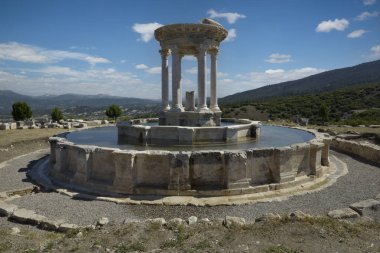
column 123, row 61
column 337, row 24
column 231, row 35
column 153, row 70
column 366, row 15
column 14, row 51
column 222, row 74
column 141, row 66
column 146, row 31
column 375, row 51
column 274, row 71
column 356, row 34
column 369, row 2
column 231, row 17
column 279, row 58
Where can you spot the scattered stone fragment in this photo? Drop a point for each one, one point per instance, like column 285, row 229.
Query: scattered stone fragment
column 15, row 231
column 344, row 213
column 102, row 221
column 299, row 215
column 230, row 221
column 175, row 222
column 268, row 217
column 79, row 234
column 27, row 217
column 205, row 220
column 378, row 196
column 6, row 209
column 365, row 204
column 192, row 220
column 160, row 221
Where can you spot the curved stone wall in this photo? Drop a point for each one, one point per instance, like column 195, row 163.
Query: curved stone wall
column 197, row 173
column 135, row 132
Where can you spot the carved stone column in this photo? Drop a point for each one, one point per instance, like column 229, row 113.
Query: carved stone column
column 202, row 103
column 176, row 81
column 165, row 79
column 213, row 96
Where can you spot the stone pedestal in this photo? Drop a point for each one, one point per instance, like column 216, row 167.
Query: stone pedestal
column 190, row 118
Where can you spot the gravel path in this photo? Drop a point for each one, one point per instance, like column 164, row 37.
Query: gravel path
column 362, row 182
column 12, row 172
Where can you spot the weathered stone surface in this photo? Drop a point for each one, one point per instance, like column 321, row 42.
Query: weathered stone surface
column 6, row 209
column 205, row 220
column 361, row 206
column 192, row 220
column 67, row 227
column 343, row 213
column 364, row 150
column 102, row 221
column 27, row 216
column 230, row 221
column 378, row 196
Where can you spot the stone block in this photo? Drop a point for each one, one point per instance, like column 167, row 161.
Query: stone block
column 67, row 227
column 124, row 171
column 51, row 225
column 192, row 220
column 6, row 209
column 179, row 171
column 152, row 168
column 230, row 221
column 207, row 170
column 260, row 164
column 236, row 170
column 101, row 167
column 361, row 206
column 27, row 217
column 344, row 213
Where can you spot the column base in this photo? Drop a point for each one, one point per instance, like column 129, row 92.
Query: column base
column 215, row 108
column 197, row 119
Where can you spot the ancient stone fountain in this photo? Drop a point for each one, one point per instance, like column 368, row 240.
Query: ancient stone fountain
column 189, row 150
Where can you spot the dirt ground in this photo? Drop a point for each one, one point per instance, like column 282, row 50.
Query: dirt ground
column 284, row 235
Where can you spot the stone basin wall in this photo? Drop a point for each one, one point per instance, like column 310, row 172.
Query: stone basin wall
column 198, row 173
column 135, row 132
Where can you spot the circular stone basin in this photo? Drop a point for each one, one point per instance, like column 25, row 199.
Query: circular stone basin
column 270, row 136
column 93, row 160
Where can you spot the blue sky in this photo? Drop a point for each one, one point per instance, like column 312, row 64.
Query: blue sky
column 107, row 47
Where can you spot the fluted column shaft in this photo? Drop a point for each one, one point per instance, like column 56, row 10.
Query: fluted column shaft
column 176, row 81
column 165, row 79
column 213, row 81
column 202, row 103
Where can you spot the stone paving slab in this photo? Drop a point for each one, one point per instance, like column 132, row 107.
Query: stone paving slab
column 361, row 206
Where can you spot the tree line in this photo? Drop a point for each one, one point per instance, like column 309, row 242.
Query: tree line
column 22, row 111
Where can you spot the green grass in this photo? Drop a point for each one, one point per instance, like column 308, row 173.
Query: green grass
column 130, row 247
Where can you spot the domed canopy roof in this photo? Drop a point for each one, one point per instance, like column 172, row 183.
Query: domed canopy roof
column 188, row 37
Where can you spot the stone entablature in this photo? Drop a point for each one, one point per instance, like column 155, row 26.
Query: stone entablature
column 198, row 40
column 196, row 173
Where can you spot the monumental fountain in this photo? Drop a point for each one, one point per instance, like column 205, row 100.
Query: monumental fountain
column 189, row 150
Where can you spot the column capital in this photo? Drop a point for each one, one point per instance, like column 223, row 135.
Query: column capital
column 213, row 51
column 164, row 52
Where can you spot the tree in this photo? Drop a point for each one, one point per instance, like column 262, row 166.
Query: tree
column 324, row 113
column 113, row 111
column 56, row 114
column 21, row 111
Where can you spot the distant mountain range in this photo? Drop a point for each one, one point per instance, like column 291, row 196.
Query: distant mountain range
column 365, row 73
column 44, row 104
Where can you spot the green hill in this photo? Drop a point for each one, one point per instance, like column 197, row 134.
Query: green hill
column 355, row 105
column 365, row 73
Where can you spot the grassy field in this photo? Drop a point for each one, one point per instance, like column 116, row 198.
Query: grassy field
column 18, row 142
